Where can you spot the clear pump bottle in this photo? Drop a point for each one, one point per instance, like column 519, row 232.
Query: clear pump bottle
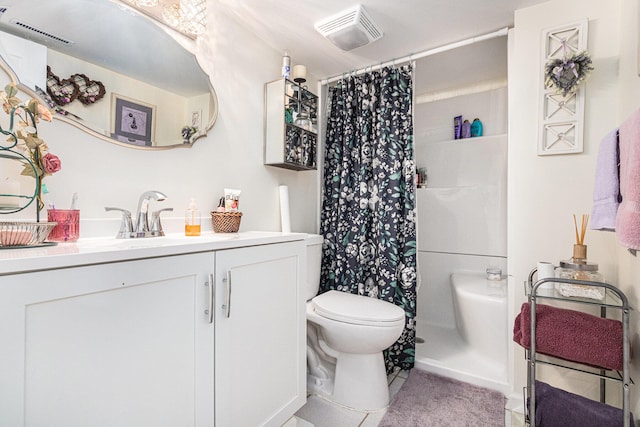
column 192, row 220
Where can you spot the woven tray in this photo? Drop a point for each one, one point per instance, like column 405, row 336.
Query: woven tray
column 226, row 222
column 17, row 233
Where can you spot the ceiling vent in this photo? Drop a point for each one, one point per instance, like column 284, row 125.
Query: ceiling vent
column 41, row 33
column 350, row 29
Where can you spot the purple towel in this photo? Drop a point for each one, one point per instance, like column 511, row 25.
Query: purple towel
column 559, row 408
column 607, row 185
column 628, row 218
column 571, row 335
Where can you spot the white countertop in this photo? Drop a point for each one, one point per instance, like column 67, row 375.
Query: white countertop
column 108, row 249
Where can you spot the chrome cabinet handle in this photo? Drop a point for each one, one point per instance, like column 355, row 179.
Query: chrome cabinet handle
column 211, row 298
column 227, row 306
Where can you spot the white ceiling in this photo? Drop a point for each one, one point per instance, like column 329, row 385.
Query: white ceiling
column 409, row 26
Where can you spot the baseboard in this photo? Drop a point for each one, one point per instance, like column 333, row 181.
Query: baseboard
column 515, row 403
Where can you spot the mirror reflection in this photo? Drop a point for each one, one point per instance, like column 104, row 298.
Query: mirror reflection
column 107, row 69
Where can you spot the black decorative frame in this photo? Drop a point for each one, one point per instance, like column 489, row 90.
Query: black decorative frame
column 132, row 121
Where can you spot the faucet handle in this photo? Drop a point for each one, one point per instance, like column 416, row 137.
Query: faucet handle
column 156, row 225
column 126, row 226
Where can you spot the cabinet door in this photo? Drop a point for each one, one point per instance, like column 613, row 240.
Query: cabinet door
column 260, row 348
column 108, row 345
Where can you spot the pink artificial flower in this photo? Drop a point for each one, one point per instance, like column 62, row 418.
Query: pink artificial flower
column 44, row 113
column 51, row 163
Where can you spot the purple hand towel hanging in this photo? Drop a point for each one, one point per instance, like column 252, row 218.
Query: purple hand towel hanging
column 606, row 191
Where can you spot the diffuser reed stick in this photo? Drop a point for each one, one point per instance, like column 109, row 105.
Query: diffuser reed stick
column 583, row 228
column 580, row 249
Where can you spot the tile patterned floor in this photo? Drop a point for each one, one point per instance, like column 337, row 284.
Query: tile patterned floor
column 322, row 413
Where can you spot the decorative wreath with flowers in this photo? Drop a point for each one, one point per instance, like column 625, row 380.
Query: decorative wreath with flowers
column 566, row 73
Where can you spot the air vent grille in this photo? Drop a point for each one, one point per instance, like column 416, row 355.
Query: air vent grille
column 337, row 23
column 349, row 29
column 42, row 33
column 370, row 27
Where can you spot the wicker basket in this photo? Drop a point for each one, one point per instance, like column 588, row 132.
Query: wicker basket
column 17, row 233
column 226, row 222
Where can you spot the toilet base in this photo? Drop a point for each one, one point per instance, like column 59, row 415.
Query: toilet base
column 360, row 382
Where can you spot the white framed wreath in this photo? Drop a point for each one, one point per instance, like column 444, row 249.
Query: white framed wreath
column 566, row 73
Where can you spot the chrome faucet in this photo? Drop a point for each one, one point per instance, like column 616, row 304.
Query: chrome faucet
column 142, row 221
column 127, row 230
column 126, row 226
column 156, row 225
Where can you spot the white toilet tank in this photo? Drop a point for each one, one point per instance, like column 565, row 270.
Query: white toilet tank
column 314, row 260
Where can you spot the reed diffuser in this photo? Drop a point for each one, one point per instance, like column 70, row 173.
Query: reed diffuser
column 579, row 269
column 580, row 249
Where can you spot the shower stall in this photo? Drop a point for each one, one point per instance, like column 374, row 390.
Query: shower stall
column 462, row 215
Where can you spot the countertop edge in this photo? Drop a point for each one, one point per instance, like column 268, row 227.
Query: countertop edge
column 102, row 250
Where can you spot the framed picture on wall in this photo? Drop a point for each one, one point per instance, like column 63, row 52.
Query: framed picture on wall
column 132, row 121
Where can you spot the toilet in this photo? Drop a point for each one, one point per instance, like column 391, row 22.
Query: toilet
column 346, row 335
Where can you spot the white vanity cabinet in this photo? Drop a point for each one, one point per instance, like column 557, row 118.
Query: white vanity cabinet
column 122, row 344
column 260, row 335
column 132, row 343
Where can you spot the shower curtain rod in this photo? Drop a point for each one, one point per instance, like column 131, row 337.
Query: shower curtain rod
column 502, row 32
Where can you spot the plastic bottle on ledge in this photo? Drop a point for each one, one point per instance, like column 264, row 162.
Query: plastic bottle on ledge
column 286, row 65
column 476, row 128
column 192, row 220
column 466, row 130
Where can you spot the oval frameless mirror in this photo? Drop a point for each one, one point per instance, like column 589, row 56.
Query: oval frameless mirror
column 108, row 70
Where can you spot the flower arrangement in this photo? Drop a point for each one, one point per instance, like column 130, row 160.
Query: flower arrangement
column 566, row 73
column 87, row 98
column 23, row 133
column 187, row 132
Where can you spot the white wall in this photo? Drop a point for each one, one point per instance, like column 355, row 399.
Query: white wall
column 545, row 191
column 229, row 157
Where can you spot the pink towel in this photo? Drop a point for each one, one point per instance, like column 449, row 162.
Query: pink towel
column 571, row 335
column 607, row 185
column 628, row 218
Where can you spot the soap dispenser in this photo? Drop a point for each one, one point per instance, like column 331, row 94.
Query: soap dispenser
column 192, row 220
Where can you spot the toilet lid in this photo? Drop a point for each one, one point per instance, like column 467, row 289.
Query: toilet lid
column 350, row 308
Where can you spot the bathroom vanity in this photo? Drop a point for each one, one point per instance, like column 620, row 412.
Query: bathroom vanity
column 167, row 331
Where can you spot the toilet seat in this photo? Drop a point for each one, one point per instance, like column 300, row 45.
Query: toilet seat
column 357, row 309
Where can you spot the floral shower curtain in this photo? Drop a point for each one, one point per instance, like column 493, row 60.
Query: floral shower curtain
column 368, row 210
